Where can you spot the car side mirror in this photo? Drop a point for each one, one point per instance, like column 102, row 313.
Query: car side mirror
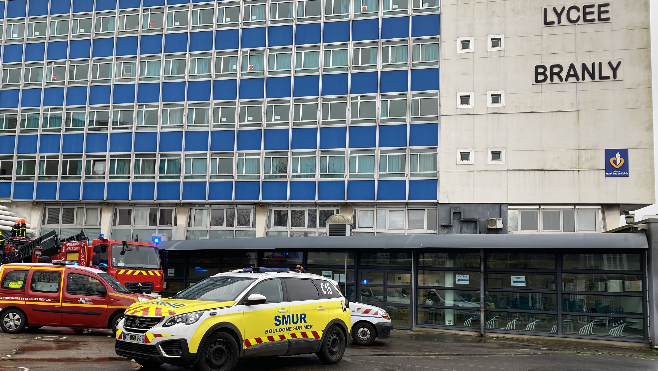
column 255, row 299
column 96, row 260
column 101, row 290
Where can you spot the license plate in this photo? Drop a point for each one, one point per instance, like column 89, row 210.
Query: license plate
column 135, row 338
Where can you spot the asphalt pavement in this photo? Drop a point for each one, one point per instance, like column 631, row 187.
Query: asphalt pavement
column 62, row 349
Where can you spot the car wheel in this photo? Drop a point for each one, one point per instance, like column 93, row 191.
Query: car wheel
column 148, row 364
column 333, row 346
column 364, row 333
column 114, row 321
column 219, row 353
column 13, row 321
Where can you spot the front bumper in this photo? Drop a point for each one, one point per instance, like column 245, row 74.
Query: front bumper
column 384, row 329
column 162, row 352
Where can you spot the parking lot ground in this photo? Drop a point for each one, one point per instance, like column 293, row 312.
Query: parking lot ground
column 62, row 349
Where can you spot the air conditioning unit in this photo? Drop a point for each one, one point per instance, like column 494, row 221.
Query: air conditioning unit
column 338, row 226
column 494, row 223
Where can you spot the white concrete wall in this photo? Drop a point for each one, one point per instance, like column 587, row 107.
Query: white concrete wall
column 554, row 135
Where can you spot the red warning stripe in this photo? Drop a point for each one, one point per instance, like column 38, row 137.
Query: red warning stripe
column 247, row 344
column 315, row 334
column 270, row 338
column 158, row 312
column 367, row 311
column 293, row 335
column 282, row 337
column 304, row 335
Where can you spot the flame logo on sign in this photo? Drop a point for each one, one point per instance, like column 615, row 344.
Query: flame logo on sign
column 617, row 161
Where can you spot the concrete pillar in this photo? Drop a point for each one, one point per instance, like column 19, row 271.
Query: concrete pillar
column 611, row 214
column 107, row 215
column 652, row 280
column 182, row 214
column 261, row 220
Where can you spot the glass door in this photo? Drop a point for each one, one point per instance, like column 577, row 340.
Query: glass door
column 390, row 290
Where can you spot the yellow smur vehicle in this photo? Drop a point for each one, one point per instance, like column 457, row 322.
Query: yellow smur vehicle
column 243, row 313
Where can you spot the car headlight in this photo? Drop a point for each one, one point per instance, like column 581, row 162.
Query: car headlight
column 384, row 314
column 186, row 319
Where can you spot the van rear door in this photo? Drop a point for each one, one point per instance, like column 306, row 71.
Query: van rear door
column 12, row 286
column 44, row 297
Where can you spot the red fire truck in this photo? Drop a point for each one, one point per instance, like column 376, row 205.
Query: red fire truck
column 136, row 265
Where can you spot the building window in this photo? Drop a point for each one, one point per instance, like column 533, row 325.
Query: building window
column 254, row 13
column 70, row 220
column 81, row 26
column 11, row 75
column 465, row 45
column 425, row 52
column 335, row 57
column 395, row 53
column 226, row 64
column 33, row 74
column 196, row 166
column 177, row 18
column 278, row 113
column 119, row 167
column 198, row 115
column 126, row 70
column 59, row 28
column 393, row 108
column 465, row 156
column 554, row 219
column 276, row 165
column 172, row 115
column 36, row 29
column 30, row 120
column 423, row 163
column 25, row 167
column 253, row 62
column 200, row 66
column 336, row 9
column 364, row 56
column 147, row 117
column 465, row 100
column 52, row 119
column 307, row 59
column 15, row 31
column 6, row 167
column 75, row 119
column 219, row 222
column 281, row 11
column 149, row 68
column 99, row 118
column 251, row 114
column 144, row 167
column 152, row 20
column 223, row 116
column 105, row 24
column 395, row 220
column 305, row 112
column 101, row 70
column 496, row 42
column 48, row 167
column 9, row 121
column 248, row 165
column 424, row 106
column 332, row 164
column 496, row 156
column 364, row 109
column 221, row 166
column 303, row 165
column 392, row 163
column 298, row 221
column 129, row 22
column 365, row 8
column 279, row 61
column 334, row 111
column 169, row 166
column 78, row 72
column 202, row 17
column 309, row 8
column 174, row 67
column 56, row 73
column 396, row 5
column 228, row 16
column 495, row 99
column 425, row 5
column 140, row 223
column 71, row 167
column 362, row 164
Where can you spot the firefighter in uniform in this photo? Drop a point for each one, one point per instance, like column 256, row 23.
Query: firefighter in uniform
column 23, row 229
column 15, row 230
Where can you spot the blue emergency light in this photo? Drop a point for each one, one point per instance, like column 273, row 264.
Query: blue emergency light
column 101, row 235
column 156, row 239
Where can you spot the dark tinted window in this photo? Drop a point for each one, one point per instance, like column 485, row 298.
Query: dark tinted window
column 45, row 281
column 271, row 289
column 81, row 284
column 14, row 280
column 299, row 289
column 327, row 289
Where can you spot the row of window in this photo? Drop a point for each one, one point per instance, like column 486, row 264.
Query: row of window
column 388, row 219
column 394, row 163
column 554, row 219
column 357, row 109
column 252, row 62
column 495, row 99
column 203, row 17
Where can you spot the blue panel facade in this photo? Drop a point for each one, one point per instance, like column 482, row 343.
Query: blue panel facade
column 201, row 93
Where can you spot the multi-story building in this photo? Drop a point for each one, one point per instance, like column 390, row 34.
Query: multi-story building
column 258, row 118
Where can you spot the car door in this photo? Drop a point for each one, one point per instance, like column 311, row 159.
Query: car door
column 333, row 300
column 83, row 303
column 264, row 330
column 44, row 305
column 12, row 287
column 308, row 315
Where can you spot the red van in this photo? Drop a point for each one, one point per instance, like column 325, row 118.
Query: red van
column 55, row 294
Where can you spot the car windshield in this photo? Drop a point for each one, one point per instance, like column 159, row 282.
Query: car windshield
column 114, row 283
column 216, row 289
column 135, row 256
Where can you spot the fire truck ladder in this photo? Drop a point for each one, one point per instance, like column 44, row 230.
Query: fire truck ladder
column 24, row 250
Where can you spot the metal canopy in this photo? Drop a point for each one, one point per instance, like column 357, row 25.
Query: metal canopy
column 596, row 241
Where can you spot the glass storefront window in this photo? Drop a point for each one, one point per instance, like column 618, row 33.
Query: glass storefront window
column 439, row 260
column 522, row 301
column 174, row 286
column 329, row 258
column 449, row 278
column 241, row 259
column 620, row 262
column 603, row 326
column 449, row 317
column 398, row 295
column 175, row 271
column 400, row 315
column 385, row 258
column 601, row 282
column 520, row 261
column 371, row 278
column 374, row 295
column 449, row 298
column 521, row 281
column 525, row 322
column 337, row 275
column 399, row 279
column 204, row 257
column 282, row 258
column 602, row 304
column 200, row 272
